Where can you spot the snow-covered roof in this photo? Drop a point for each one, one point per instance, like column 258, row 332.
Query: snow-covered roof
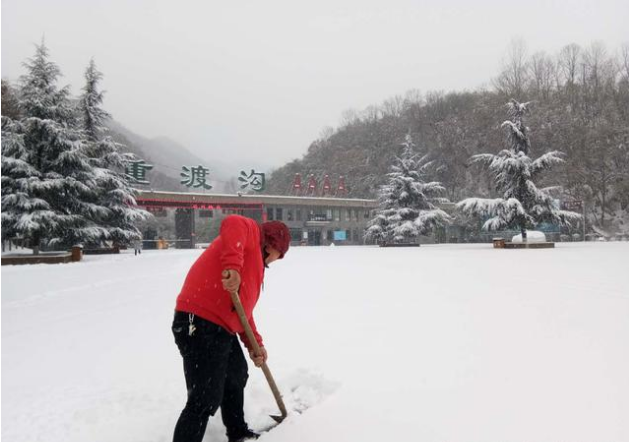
column 209, row 198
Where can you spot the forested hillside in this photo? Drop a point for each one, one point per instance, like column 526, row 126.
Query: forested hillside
column 579, row 104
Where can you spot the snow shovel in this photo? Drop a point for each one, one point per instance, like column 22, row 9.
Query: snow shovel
column 256, row 350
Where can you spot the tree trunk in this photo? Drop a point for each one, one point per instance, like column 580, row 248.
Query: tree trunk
column 523, row 230
column 36, row 244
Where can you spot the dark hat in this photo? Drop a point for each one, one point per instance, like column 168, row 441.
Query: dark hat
column 276, row 235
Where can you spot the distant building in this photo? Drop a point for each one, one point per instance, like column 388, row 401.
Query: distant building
column 195, row 217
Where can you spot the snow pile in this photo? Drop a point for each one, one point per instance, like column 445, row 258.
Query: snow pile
column 438, row 343
column 531, row 236
column 301, row 390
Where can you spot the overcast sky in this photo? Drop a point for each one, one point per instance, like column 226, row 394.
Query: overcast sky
column 257, row 81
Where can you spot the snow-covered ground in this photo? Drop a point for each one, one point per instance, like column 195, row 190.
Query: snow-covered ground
column 437, row 343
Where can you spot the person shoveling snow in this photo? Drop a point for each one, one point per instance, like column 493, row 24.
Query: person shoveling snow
column 207, row 321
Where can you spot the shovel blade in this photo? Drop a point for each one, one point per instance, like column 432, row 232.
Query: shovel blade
column 278, row 419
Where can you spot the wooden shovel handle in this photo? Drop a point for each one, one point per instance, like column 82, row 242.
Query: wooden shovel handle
column 253, row 342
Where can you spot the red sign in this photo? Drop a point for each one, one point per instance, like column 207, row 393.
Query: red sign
column 312, row 184
column 341, row 187
column 326, row 184
column 297, row 182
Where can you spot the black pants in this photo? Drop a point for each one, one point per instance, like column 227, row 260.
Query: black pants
column 216, row 374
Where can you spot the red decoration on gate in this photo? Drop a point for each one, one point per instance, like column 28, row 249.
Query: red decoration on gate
column 311, row 189
column 297, row 183
column 341, row 188
column 312, row 185
column 326, row 185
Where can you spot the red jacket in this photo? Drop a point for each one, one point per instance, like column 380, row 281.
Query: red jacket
column 238, row 247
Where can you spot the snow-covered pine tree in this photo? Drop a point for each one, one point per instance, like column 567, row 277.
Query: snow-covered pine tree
column 407, row 203
column 22, row 211
column 10, row 106
column 378, row 230
column 522, row 204
column 109, row 162
column 93, row 117
column 47, row 182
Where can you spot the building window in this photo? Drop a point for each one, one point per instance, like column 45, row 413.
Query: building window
column 347, row 218
column 328, row 215
column 269, row 213
column 279, row 215
column 318, row 214
column 206, row 213
column 298, row 214
column 366, row 214
column 289, row 215
column 337, row 215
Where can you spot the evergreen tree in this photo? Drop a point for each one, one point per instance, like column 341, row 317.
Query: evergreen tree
column 379, row 231
column 114, row 192
column 23, row 213
column 522, row 204
column 48, row 184
column 407, row 203
column 10, row 106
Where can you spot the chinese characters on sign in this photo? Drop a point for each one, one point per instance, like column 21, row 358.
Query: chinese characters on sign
column 195, row 176
column 255, row 180
column 136, row 171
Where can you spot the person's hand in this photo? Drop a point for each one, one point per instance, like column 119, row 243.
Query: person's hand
column 259, row 359
column 231, row 280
